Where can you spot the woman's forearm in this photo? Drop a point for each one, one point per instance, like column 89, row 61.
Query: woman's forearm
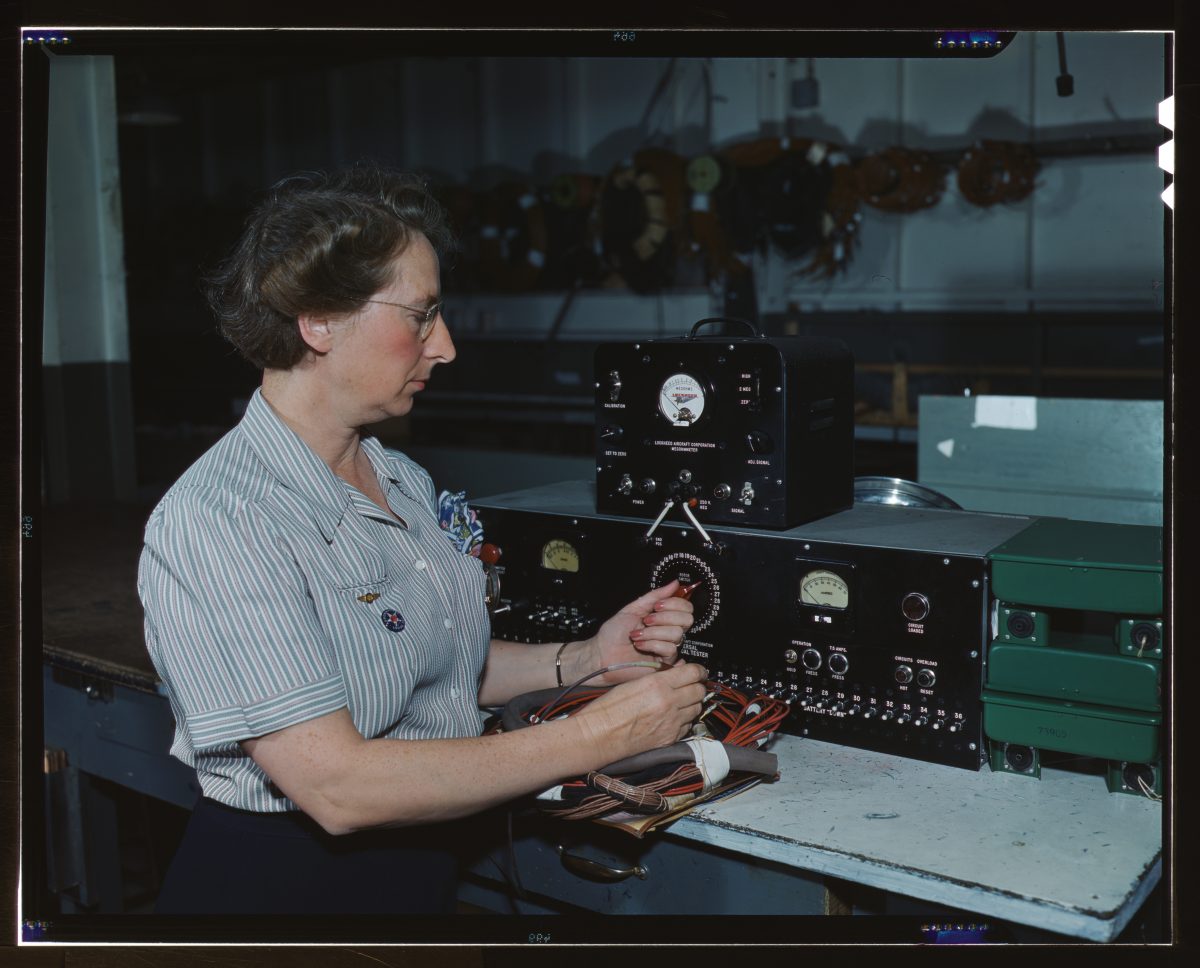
column 514, row 668
column 346, row 782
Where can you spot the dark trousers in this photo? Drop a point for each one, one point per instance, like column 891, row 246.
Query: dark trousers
column 238, row 862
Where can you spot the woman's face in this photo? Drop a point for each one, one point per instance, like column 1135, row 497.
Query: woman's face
column 378, row 362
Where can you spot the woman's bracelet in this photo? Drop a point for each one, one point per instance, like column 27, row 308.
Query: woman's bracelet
column 558, row 661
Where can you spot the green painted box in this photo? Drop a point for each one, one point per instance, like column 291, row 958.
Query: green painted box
column 1099, row 731
column 1081, row 669
column 1086, row 565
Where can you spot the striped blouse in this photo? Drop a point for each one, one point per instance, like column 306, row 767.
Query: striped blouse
column 274, row 593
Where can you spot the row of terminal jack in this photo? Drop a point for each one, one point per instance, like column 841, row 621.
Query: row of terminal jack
column 839, row 665
column 875, row 712
column 684, row 487
column 868, row 712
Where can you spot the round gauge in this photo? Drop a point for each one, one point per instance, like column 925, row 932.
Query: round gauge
column 559, row 555
column 688, row 568
column 824, row 589
column 681, row 399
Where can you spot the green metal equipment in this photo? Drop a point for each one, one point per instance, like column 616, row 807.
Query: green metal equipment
column 1075, row 661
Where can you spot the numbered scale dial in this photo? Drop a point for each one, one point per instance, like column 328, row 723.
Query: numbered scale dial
column 560, row 555
column 824, row 589
column 681, row 399
column 825, row 596
column 688, row 569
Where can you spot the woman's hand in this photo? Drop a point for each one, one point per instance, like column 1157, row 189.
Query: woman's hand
column 648, row 628
column 652, row 711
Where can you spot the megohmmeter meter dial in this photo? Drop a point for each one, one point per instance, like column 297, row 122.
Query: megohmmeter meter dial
column 681, row 399
column 688, row 568
column 559, row 555
column 824, row 589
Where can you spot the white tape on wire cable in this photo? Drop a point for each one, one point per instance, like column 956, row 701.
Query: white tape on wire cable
column 553, row 794
column 712, row 760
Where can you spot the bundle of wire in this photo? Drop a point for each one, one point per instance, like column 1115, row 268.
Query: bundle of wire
column 724, row 745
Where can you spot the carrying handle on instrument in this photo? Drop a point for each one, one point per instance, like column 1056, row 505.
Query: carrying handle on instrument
column 724, row 319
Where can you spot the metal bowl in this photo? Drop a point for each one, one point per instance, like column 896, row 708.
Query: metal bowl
column 896, row 490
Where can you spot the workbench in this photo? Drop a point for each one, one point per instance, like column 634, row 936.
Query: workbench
column 1060, row 855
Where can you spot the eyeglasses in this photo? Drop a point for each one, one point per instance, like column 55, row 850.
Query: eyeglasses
column 426, row 317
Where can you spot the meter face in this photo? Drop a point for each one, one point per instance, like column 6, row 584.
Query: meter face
column 560, row 555
column 824, row 589
column 681, row 400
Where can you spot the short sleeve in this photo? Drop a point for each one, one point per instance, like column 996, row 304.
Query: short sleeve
column 230, row 624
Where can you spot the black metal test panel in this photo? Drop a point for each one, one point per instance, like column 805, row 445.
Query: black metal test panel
column 759, row 432
column 873, row 621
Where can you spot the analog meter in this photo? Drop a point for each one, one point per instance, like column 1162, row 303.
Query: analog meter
column 681, row 399
column 560, row 555
column 824, row 589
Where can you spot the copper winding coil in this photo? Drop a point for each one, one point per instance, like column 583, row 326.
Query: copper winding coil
column 574, row 190
column 572, row 231
column 993, row 172
column 839, row 227
column 642, row 240
column 635, row 798
column 765, row 190
column 763, row 151
column 512, row 238
column 900, row 180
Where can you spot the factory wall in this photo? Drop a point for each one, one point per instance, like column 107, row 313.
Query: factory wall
column 1071, row 275
column 1090, row 235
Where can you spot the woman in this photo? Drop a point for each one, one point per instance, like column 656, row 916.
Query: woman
column 324, row 646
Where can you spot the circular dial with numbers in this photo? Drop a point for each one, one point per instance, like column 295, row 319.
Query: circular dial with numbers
column 688, row 568
column 559, row 555
column 681, row 399
column 824, row 589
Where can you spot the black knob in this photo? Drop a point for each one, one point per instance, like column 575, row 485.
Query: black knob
column 904, row 674
column 926, row 678
column 611, row 432
column 838, row 664
column 811, row 659
column 915, row 607
column 759, row 442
